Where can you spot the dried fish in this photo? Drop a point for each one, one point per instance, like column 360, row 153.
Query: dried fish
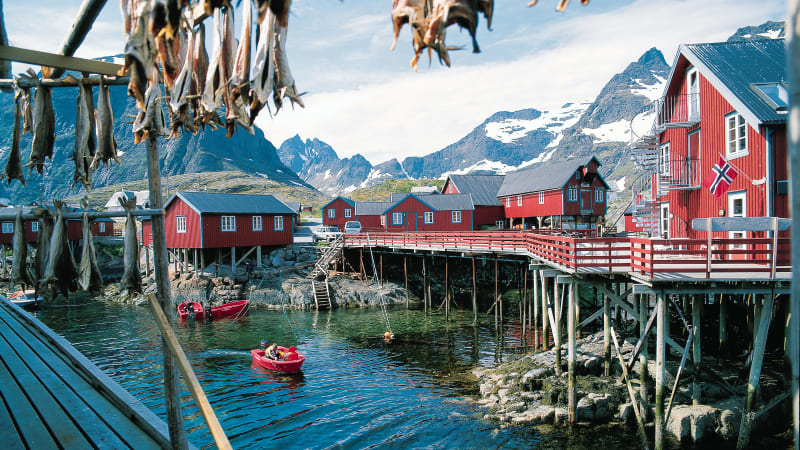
column 61, row 268
column 171, row 50
column 199, row 71
column 166, row 17
column 20, row 272
column 106, row 144
column 89, row 277
column 263, row 69
column 140, row 47
column 284, row 82
column 131, row 278
column 82, row 155
column 215, row 78
column 239, row 81
column 448, row 12
column 44, row 125
column 561, row 4
column 179, row 93
column 406, row 11
column 150, row 119
column 27, row 111
column 42, row 248
column 281, row 10
column 14, row 164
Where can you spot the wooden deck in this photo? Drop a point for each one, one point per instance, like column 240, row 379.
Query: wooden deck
column 51, row 396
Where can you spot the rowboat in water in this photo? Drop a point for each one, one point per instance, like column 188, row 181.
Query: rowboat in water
column 291, row 361
column 191, row 308
column 25, row 299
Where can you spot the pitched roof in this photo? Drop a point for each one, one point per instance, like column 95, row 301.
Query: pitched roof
column 294, row 206
column 344, row 199
column 449, row 202
column 372, row 208
column 219, row 203
column 424, row 190
column 733, row 67
column 482, row 187
column 542, row 178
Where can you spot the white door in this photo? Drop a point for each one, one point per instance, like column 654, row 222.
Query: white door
column 694, row 95
column 737, row 207
column 664, row 220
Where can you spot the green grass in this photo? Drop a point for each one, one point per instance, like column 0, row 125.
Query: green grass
column 383, row 190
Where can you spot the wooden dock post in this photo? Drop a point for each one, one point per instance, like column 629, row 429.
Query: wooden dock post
column 723, row 324
column 697, row 306
column 523, row 304
column 474, row 295
column 380, row 259
column 557, row 329
column 405, row 277
column 424, row 285
column 571, row 312
column 446, row 289
column 759, row 345
column 661, row 329
column 644, row 313
column 606, row 336
column 536, row 336
column 545, row 309
column 496, row 305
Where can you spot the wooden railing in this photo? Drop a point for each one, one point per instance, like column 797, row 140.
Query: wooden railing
column 643, row 257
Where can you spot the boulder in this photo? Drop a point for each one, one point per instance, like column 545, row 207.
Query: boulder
column 690, row 422
column 277, row 261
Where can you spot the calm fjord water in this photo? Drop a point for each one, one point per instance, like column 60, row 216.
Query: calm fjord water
column 355, row 390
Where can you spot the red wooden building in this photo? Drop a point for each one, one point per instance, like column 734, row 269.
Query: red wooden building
column 483, row 189
column 338, row 212
column 722, row 100
column 431, row 213
column 100, row 227
column 371, row 215
column 566, row 195
column 209, row 223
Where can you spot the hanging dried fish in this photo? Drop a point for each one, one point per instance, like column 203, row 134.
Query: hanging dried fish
column 150, row 119
column 42, row 248
column 236, row 108
column 215, row 78
column 84, row 134
column 14, row 164
column 27, row 110
column 281, row 10
column 166, row 17
column 263, row 69
column 178, row 95
column 44, row 129
column 140, row 47
column 449, row 12
column 406, row 12
column 131, row 278
column 89, row 277
column 61, row 268
column 170, row 48
column 284, row 82
column 106, row 144
column 199, row 68
column 20, row 272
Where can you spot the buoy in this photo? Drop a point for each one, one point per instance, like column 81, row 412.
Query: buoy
column 388, row 336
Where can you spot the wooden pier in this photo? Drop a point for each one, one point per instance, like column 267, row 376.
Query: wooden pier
column 51, row 396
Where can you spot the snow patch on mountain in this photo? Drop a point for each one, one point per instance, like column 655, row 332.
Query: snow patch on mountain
column 772, row 34
column 651, row 91
column 619, row 131
column 539, row 159
column 509, row 130
column 482, row 165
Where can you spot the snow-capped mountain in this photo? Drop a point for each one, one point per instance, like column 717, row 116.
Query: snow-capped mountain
column 318, row 164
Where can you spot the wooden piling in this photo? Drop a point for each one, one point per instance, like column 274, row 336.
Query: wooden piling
column 446, row 289
column 380, row 258
column 405, row 277
column 536, row 336
column 523, row 304
column 723, row 324
column 644, row 313
column 496, row 300
column 571, row 312
column 793, row 137
column 424, row 285
column 661, row 304
column 557, row 330
column 606, row 336
column 697, row 305
column 474, row 295
column 545, row 295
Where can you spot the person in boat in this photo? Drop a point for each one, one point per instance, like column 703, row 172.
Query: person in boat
column 273, row 352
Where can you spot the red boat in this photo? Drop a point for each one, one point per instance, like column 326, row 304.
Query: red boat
column 291, row 361
column 233, row 309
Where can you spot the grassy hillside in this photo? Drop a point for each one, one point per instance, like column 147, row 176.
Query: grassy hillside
column 383, row 190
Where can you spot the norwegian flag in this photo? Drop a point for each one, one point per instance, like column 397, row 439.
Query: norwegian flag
column 720, row 178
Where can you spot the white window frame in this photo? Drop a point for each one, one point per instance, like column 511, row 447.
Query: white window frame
column 348, row 213
column 8, row 227
column 572, row 193
column 427, row 217
column 227, row 224
column 35, row 226
column 278, row 221
column 599, row 195
column 541, row 198
column 383, row 220
column 397, row 218
column 735, row 135
column 664, row 220
column 693, row 90
column 499, row 224
column 258, row 223
column 663, row 159
column 508, row 202
column 519, row 199
column 101, row 227
column 732, row 198
column 455, row 216
column 331, row 213
column 180, row 224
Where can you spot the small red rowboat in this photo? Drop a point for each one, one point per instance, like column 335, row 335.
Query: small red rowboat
column 291, row 362
column 189, row 308
column 233, row 309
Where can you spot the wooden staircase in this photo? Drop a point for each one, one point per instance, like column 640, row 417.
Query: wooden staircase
column 322, row 297
column 325, row 259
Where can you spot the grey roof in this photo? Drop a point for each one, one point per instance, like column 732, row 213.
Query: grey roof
column 732, row 67
column 542, row 178
column 447, row 202
column 218, row 203
column 424, row 190
column 372, row 208
column 294, row 206
column 482, row 187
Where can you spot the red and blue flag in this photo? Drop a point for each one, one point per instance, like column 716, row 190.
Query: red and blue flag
column 720, row 178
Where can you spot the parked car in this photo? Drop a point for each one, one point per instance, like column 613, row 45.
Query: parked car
column 325, row 233
column 352, row 226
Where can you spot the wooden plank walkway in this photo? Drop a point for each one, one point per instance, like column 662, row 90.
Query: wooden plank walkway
column 51, row 396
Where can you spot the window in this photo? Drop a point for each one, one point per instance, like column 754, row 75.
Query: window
column 278, row 223
column 498, row 224
column 228, row 223
column 348, row 213
column 519, row 200
column 599, row 193
column 735, row 136
column 737, row 207
column 35, row 227
column 541, row 198
column 8, row 227
column 101, row 227
column 455, row 217
column 428, row 217
column 663, row 159
column 397, row 218
column 180, row 224
column 508, row 202
column 693, row 88
column 257, row 223
column 665, row 217
column 775, row 94
column 331, row 213
column 572, row 194
column 577, row 175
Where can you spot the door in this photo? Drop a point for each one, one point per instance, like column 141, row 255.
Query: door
column 737, row 207
column 694, row 96
column 664, row 220
column 411, row 221
column 586, row 201
column 693, row 174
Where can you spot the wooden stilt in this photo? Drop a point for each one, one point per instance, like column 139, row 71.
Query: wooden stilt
column 203, row 260
column 755, row 371
column 523, row 302
column 233, row 259
column 474, row 295
column 380, row 259
column 644, row 311
column 147, row 260
column 405, row 277
column 258, row 256
column 723, row 324
column 194, row 261
column 446, row 289
column 793, row 131
column 424, row 285
column 639, row 416
column 536, row 336
column 697, row 305
column 557, row 327
column 571, row 313
column 606, row 336
column 545, row 309
column 661, row 304
column 496, row 300
column 428, row 287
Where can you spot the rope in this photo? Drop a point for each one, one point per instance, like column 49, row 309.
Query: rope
column 380, row 294
column 283, row 306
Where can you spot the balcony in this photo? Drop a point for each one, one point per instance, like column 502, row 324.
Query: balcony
column 676, row 111
column 682, row 174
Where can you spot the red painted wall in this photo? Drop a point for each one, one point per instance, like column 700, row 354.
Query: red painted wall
column 244, row 235
column 189, row 239
column 488, row 215
column 441, row 219
column 109, row 231
column 339, row 206
column 631, row 226
column 370, row 223
column 449, row 188
column 30, row 236
column 531, row 207
column 146, row 236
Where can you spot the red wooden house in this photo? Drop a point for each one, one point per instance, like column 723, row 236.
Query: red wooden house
column 722, row 100
column 431, row 213
column 338, row 212
column 371, row 215
column 100, row 227
column 208, row 223
column 566, row 195
column 483, row 188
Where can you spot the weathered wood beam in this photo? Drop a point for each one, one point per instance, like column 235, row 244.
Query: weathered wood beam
column 661, row 309
column 793, row 130
column 63, row 82
column 678, row 377
column 642, row 340
column 59, row 61
column 246, row 254
column 634, row 403
column 79, row 215
column 87, row 14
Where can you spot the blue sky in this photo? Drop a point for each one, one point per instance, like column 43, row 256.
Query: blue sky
column 364, row 98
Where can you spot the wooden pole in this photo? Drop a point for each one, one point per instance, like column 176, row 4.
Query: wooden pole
column 424, row 285
column 723, row 324
column 172, row 391
column 577, row 310
column 380, row 259
column 523, row 304
column 405, row 276
column 571, row 311
column 755, row 372
column 661, row 304
column 496, row 304
column 545, row 295
column 697, row 305
column 535, row 318
column 474, row 295
column 644, row 312
column 606, row 336
column 793, row 129
column 557, row 329
column 446, row 289
column 428, row 288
